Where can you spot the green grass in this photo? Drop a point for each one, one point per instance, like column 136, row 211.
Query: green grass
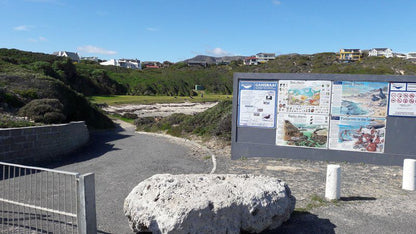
column 115, row 116
column 126, row 99
column 315, row 202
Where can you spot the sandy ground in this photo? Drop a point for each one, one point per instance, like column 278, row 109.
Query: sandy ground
column 160, row 109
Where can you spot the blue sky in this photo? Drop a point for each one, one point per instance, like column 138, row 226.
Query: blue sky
column 175, row 30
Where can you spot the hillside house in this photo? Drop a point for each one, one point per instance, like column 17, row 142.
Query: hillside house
column 130, row 63
column 411, row 56
column 381, row 52
column 94, row 59
column 399, row 55
column 151, row 64
column 73, row 56
column 265, row 57
column 126, row 63
column 193, row 63
column 350, row 54
column 250, row 60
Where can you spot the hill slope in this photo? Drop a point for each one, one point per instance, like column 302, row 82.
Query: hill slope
column 23, row 85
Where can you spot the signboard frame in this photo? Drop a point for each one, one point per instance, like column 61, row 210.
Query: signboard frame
column 261, row 142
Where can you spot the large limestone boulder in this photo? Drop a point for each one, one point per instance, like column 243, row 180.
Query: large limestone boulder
column 208, row 204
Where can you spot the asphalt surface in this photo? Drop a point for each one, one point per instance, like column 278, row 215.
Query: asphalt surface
column 120, row 160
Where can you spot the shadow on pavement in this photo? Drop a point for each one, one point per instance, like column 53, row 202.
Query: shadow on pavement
column 304, row 222
column 99, row 144
column 358, row 199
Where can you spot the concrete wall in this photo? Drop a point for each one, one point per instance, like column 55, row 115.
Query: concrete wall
column 31, row 145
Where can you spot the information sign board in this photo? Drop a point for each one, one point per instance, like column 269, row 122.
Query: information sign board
column 304, row 96
column 302, row 130
column 364, row 134
column 402, row 99
column 257, row 104
column 353, row 98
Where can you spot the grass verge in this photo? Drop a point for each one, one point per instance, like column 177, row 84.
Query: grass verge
column 126, row 99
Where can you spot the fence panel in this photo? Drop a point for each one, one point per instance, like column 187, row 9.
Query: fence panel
column 37, row 200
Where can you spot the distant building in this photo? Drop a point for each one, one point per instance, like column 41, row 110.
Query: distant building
column 167, row 64
column 381, row 52
column 220, row 61
column 193, row 63
column 350, row 54
column 399, row 55
column 151, row 64
column 411, row 56
column 130, row 63
column 252, row 60
column 95, row 59
column 265, row 57
column 73, row 56
column 126, row 63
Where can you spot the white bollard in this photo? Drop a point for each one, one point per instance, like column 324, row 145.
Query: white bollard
column 409, row 174
column 333, row 182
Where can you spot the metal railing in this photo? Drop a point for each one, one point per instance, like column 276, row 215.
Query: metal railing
column 40, row 200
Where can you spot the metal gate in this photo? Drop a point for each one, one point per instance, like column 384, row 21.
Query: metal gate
column 40, row 200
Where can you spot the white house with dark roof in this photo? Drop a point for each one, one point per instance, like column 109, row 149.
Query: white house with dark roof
column 411, row 55
column 73, row 56
column 252, row 60
column 399, row 55
column 126, row 63
column 265, row 57
column 381, row 52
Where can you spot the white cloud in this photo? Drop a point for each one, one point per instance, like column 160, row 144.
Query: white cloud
column 39, row 39
column 152, row 29
column 95, row 50
column 22, row 28
column 276, row 2
column 218, row 52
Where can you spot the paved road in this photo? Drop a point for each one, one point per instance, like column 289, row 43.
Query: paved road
column 120, row 160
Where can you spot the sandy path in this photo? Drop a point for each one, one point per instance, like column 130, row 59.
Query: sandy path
column 160, row 109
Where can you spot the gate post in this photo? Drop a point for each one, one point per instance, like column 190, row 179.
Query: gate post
column 87, row 220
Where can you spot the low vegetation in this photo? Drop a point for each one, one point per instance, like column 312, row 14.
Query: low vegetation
column 127, row 99
column 27, row 76
column 214, row 122
column 9, row 121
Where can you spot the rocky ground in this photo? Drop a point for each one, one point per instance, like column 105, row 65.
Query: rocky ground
column 160, row 109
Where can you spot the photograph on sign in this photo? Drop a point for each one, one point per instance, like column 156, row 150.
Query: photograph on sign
column 364, row 134
column 359, row 98
column 402, row 99
column 304, row 96
column 302, row 130
column 257, row 104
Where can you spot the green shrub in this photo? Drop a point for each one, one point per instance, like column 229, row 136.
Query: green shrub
column 48, row 111
column 8, row 121
column 215, row 121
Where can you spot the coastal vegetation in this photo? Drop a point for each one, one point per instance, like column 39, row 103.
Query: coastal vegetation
column 68, row 91
column 214, row 122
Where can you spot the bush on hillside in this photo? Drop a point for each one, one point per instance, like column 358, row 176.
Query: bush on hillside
column 48, row 111
column 214, row 122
